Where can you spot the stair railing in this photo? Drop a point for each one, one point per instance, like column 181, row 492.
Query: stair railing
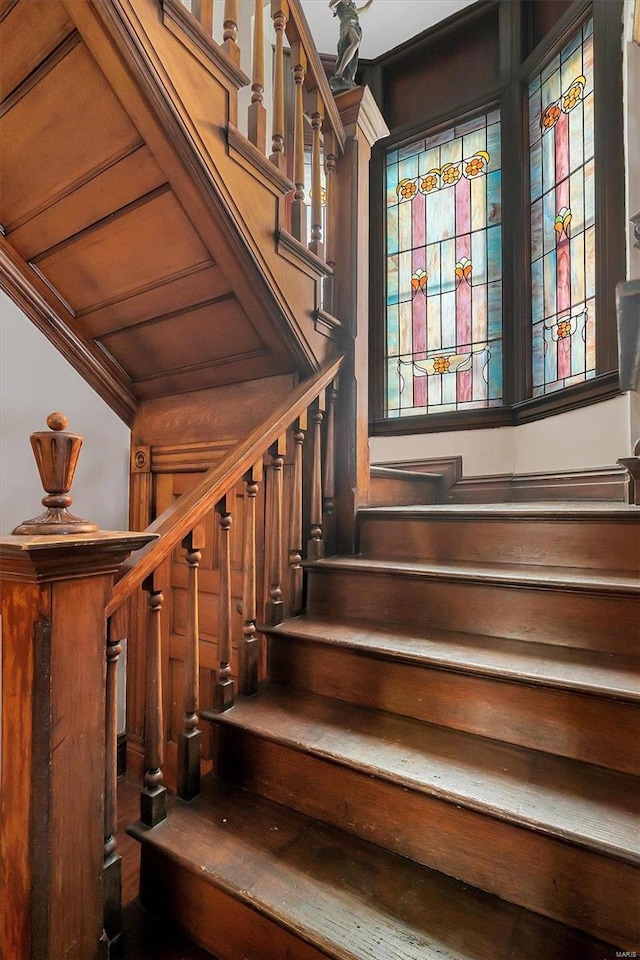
column 307, row 134
column 259, row 456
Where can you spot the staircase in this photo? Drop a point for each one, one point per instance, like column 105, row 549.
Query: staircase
column 443, row 762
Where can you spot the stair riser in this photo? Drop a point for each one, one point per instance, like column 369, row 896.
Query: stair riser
column 579, row 887
column 568, row 724
column 387, row 492
column 221, row 924
column 604, row 622
column 598, row 546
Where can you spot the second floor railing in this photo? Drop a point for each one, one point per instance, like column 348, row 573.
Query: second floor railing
column 291, row 116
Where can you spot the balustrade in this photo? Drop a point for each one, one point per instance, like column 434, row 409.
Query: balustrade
column 312, row 102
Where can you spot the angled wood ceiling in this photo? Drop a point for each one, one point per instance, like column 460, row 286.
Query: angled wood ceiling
column 87, row 208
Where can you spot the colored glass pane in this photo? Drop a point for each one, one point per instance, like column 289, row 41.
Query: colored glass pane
column 444, row 271
column 562, row 218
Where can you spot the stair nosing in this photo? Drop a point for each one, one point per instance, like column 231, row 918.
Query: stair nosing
column 321, row 940
column 439, row 793
column 592, row 582
column 465, row 668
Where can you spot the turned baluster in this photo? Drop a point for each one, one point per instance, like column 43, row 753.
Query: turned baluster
column 329, row 465
column 298, row 206
column 330, row 160
column 230, row 27
column 257, row 127
column 153, row 798
column 317, row 115
column 112, row 859
column 248, row 682
column 315, row 546
column 279, row 14
column 203, row 12
column 189, row 741
column 275, row 605
column 295, row 517
column 225, row 688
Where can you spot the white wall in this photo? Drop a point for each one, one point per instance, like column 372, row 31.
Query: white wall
column 34, row 381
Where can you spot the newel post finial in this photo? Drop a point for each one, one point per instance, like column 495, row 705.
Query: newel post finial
column 56, row 456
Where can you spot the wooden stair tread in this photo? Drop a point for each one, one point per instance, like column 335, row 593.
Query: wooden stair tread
column 346, row 897
column 532, row 576
column 602, row 674
column 589, row 805
column 540, row 509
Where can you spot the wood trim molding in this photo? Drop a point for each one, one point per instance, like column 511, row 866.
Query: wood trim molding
column 328, row 325
column 287, row 244
column 248, row 156
column 189, row 457
column 52, row 318
column 608, row 483
column 205, row 365
column 34, row 78
column 181, row 23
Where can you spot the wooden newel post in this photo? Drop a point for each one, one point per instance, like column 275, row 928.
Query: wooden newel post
column 54, row 591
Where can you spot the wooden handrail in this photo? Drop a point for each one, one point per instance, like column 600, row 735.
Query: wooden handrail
column 180, row 518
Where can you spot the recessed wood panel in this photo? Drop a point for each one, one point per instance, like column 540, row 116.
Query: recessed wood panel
column 211, row 332
column 63, row 128
column 232, row 370
column 126, row 180
column 187, row 288
column 440, row 76
column 145, row 244
column 30, row 31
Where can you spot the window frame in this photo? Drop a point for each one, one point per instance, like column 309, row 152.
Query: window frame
column 510, row 96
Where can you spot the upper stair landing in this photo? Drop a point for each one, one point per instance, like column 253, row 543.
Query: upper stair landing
column 134, row 236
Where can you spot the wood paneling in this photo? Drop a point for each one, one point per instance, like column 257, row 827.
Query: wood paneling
column 31, row 31
column 436, row 77
column 169, row 297
column 127, row 179
column 192, row 338
column 46, row 149
column 147, row 242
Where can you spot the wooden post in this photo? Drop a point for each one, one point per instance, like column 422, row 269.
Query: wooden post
column 364, row 125
column 112, row 859
column 257, row 127
column 329, row 467
column 189, row 741
column 279, row 13
column 315, row 545
column 203, row 12
column 230, row 35
column 53, row 594
column 248, row 670
column 225, row 687
column 317, row 114
column 295, row 517
column 275, row 605
column 331, row 225
column 298, row 206
column 153, row 796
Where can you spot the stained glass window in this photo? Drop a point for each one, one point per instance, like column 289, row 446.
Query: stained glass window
column 444, row 271
column 562, row 218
